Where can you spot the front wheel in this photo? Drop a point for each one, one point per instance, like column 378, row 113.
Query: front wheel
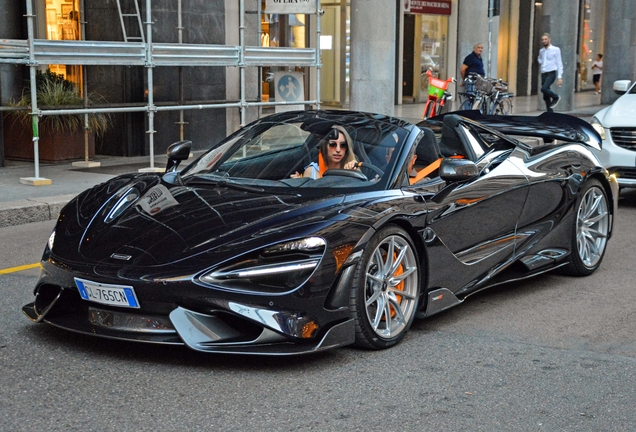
column 590, row 231
column 429, row 109
column 503, row 107
column 386, row 289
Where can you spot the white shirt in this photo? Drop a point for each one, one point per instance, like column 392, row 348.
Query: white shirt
column 597, row 67
column 550, row 60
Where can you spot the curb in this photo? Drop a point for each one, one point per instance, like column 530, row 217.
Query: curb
column 32, row 210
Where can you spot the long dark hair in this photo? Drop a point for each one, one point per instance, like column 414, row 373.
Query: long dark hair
column 324, row 144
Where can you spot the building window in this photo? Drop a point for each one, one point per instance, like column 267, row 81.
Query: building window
column 278, row 30
column 62, row 23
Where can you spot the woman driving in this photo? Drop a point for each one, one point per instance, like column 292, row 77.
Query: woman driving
column 335, row 152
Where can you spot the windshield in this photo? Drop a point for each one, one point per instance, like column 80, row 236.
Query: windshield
column 307, row 149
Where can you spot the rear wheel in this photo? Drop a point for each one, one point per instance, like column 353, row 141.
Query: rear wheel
column 590, row 230
column 386, row 289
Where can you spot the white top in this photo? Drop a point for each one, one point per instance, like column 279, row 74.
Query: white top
column 597, row 67
column 550, row 60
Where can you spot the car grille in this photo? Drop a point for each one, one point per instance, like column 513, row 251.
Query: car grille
column 626, row 173
column 624, row 137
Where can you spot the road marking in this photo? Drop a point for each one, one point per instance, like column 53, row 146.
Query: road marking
column 19, row 268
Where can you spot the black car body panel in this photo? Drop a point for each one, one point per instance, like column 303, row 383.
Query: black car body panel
column 232, row 255
column 548, row 126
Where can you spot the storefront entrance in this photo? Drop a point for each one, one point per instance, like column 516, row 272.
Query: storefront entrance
column 425, row 47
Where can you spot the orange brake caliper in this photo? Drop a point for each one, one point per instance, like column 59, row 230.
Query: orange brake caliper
column 399, row 286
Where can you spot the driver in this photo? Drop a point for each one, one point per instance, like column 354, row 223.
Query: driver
column 335, row 152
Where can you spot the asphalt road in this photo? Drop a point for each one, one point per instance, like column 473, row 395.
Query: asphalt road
column 549, row 354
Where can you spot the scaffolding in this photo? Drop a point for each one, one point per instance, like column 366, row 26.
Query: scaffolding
column 141, row 51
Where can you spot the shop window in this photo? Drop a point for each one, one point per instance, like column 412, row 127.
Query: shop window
column 281, row 30
column 62, row 23
column 432, row 49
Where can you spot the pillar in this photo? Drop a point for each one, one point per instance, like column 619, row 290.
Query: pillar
column 619, row 57
column 561, row 20
column 373, row 36
column 473, row 27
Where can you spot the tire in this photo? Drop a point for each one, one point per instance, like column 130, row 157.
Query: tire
column 429, row 109
column 466, row 103
column 589, row 231
column 482, row 105
column 503, row 107
column 386, row 289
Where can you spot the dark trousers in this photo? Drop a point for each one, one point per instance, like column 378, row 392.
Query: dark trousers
column 547, row 79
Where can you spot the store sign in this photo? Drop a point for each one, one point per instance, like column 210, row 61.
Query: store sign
column 432, row 7
column 290, row 6
column 289, row 88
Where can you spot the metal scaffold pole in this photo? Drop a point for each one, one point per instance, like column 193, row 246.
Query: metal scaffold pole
column 151, row 103
column 319, row 13
column 86, row 163
column 242, row 58
column 36, row 180
column 180, row 33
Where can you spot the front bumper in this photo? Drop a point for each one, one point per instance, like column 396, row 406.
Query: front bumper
column 619, row 161
column 201, row 332
column 200, row 318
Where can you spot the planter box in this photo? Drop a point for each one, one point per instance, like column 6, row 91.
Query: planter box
column 53, row 147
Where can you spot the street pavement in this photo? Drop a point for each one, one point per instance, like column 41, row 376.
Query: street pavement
column 24, row 203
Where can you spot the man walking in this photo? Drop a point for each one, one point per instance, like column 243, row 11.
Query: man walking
column 551, row 70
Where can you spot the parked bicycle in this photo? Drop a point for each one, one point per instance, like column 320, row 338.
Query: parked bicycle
column 488, row 95
column 438, row 95
column 471, row 98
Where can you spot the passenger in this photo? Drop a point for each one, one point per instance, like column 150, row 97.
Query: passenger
column 335, row 152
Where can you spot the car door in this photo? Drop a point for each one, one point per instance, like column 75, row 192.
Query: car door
column 471, row 226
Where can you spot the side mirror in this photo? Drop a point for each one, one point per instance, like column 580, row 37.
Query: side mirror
column 458, row 170
column 621, row 86
column 176, row 153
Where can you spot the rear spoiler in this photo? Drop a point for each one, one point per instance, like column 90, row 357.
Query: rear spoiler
column 549, row 126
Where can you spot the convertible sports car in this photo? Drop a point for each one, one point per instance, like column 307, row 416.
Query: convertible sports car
column 237, row 253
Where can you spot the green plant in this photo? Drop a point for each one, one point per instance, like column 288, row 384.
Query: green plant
column 53, row 91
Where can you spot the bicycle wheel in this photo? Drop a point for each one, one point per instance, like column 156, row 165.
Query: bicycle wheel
column 429, row 109
column 466, row 101
column 507, row 106
column 483, row 105
column 503, row 107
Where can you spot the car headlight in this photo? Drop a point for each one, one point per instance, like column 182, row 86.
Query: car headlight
column 275, row 269
column 596, row 124
column 51, row 240
column 49, row 246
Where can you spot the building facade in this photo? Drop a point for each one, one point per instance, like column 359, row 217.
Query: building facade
column 407, row 38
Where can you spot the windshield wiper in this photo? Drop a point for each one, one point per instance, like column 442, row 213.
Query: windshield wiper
column 222, row 181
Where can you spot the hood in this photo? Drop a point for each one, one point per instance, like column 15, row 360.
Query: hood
column 622, row 113
column 143, row 221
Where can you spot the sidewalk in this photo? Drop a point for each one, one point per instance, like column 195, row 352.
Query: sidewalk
column 21, row 203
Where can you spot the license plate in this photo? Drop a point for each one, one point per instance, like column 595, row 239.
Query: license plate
column 113, row 295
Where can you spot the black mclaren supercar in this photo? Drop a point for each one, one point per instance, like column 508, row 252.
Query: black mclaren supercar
column 242, row 251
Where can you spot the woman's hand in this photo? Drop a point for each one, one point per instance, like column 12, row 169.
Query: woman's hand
column 295, row 175
column 351, row 165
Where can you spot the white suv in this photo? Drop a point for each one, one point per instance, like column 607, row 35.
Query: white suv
column 617, row 126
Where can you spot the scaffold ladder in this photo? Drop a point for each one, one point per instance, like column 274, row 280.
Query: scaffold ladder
column 127, row 18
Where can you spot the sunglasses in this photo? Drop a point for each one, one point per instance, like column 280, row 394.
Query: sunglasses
column 335, row 144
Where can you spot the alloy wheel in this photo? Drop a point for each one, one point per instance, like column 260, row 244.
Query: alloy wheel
column 592, row 227
column 391, row 287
